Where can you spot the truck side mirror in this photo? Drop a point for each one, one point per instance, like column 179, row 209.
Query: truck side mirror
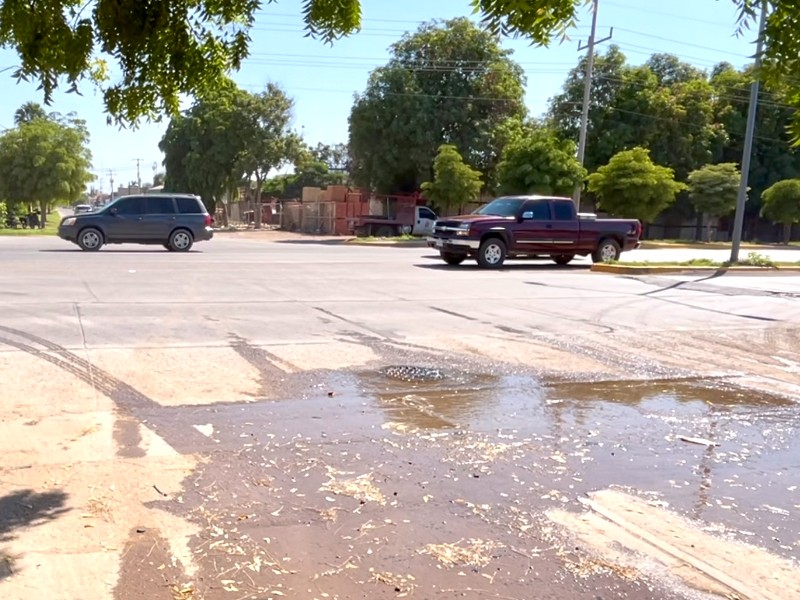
column 527, row 215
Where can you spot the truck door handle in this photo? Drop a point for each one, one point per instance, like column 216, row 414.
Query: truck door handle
column 548, row 226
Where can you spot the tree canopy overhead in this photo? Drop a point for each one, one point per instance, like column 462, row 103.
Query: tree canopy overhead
column 145, row 55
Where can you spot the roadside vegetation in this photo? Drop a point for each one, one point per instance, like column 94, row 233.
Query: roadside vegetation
column 753, row 259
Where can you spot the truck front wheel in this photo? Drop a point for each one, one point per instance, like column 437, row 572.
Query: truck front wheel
column 607, row 251
column 492, row 253
column 453, row 259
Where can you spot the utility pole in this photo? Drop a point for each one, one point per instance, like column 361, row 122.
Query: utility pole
column 752, row 109
column 138, row 176
column 111, row 178
column 587, row 90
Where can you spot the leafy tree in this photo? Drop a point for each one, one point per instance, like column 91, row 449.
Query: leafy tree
column 204, row 146
column 542, row 20
column 632, row 186
column 713, row 189
column 335, row 157
column 307, row 174
column 665, row 105
column 447, row 83
column 44, row 161
column 162, row 49
column 773, row 158
column 269, row 142
column 159, row 179
column 455, row 183
column 782, row 205
column 28, row 112
column 669, row 69
column 539, row 163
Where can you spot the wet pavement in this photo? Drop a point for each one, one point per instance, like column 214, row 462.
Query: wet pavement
column 434, row 481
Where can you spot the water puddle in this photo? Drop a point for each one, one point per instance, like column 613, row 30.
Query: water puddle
column 717, row 453
column 428, row 480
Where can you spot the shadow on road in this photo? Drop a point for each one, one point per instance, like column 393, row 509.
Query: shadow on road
column 119, row 251
column 313, row 242
column 513, row 267
column 26, row 508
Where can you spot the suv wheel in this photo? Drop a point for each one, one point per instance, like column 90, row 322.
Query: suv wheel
column 492, row 253
column 90, row 239
column 180, row 241
column 562, row 259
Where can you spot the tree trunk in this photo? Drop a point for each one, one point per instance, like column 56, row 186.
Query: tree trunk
column 787, row 233
column 698, row 227
column 225, row 217
column 257, row 205
column 43, row 216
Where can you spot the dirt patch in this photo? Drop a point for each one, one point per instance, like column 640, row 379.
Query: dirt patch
column 173, row 376
column 28, row 380
column 327, row 355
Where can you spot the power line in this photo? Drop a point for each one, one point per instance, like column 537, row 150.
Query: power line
column 681, row 17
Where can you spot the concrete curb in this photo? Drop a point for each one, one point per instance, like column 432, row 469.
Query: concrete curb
column 389, row 244
column 712, row 246
column 619, row 269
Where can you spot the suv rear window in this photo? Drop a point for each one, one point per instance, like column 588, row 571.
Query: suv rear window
column 191, row 206
column 159, row 205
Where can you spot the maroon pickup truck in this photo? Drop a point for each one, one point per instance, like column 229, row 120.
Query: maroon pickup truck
column 528, row 226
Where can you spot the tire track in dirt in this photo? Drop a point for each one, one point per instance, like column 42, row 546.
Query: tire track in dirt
column 132, row 406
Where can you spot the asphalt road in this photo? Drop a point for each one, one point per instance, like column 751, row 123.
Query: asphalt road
column 145, row 370
column 302, row 292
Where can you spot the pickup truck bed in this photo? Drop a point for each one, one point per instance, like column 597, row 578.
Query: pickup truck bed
column 526, row 226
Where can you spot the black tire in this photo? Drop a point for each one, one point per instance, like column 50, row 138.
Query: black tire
column 181, row 240
column 90, row 239
column 167, row 247
column 453, row 259
column 562, row 259
column 492, row 253
column 385, row 231
column 608, row 250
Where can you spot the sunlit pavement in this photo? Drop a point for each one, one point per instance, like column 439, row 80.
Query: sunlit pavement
column 203, row 403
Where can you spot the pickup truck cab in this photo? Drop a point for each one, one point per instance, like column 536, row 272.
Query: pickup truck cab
column 529, row 226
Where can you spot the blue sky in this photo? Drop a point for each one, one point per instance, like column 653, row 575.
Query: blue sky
column 323, row 79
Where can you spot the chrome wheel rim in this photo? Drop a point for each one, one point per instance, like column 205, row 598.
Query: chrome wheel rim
column 608, row 253
column 90, row 239
column 492, row 254
column 181, row 240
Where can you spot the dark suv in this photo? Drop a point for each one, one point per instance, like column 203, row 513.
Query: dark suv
column 175, row 221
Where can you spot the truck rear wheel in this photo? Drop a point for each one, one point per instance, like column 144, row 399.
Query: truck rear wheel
column 562, row 259
column 492, row 253
column 453, row 259
column 607, row 251
column 385, row 231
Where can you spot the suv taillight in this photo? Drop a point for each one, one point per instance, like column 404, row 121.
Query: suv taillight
column 209, row 220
